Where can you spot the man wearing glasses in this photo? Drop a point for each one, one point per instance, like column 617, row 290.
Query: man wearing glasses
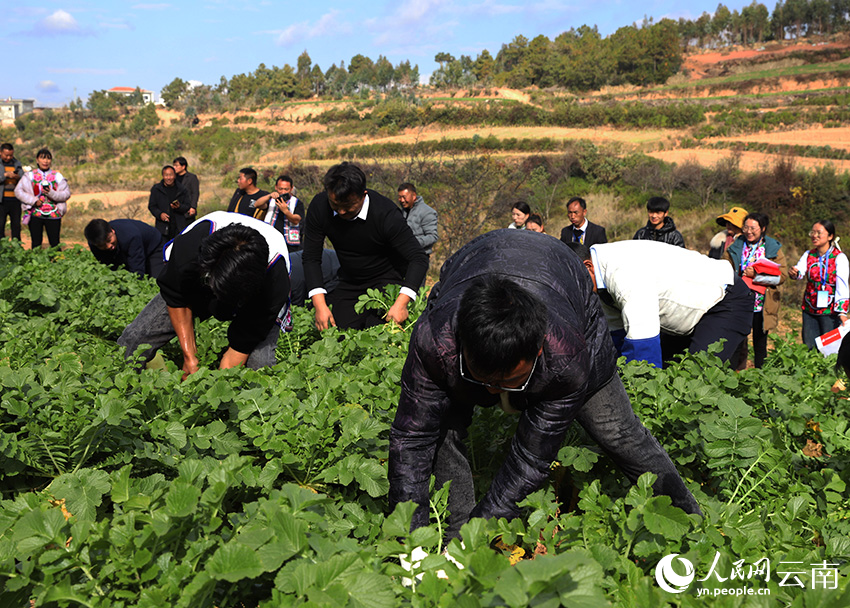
column 530, row 337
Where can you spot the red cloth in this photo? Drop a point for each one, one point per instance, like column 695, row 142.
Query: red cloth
column 762, row 266
column 765, row 266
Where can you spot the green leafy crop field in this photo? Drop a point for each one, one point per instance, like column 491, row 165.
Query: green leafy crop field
column 268, row 488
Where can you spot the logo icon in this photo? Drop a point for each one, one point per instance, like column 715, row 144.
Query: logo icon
column 668, row 579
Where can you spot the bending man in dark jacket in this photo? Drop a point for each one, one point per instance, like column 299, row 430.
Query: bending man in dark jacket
column 126, row 243
column 530, row 337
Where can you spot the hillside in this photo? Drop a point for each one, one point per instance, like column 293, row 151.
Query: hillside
column 763, row 127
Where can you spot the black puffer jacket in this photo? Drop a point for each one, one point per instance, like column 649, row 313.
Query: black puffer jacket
column 667, row 234
column 578, row 358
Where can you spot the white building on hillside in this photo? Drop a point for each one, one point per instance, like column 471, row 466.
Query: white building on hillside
column 147, row 96
column 10, row 108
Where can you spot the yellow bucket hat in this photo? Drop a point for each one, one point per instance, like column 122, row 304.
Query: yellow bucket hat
column 735, row 215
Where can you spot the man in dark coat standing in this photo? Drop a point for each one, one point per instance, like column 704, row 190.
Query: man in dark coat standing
column 126, row 243
column 168, row 204
column 581, row 230
column 531, row 337
column 189, row 182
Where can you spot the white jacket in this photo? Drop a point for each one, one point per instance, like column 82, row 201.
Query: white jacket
column 655, row 287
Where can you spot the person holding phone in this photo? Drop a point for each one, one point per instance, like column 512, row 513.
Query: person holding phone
column 287, row 213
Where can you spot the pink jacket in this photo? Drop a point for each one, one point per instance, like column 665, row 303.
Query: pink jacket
column 32, row 196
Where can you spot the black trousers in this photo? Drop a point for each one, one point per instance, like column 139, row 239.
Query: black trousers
column 609, row 419
column 345, row 295
column 730, row 319
column 11, row 208
column 37, row 227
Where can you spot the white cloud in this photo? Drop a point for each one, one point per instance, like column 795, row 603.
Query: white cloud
column 425, row 17
column 90, row 71
column 327, row 24
column 414, row 11
column 61, row 22
column 114, row 25
column 493, row 8
column 47, row 86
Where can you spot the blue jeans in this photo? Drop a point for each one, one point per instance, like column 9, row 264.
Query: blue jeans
column 609, row 419
column 152, row 327
column 817, row 325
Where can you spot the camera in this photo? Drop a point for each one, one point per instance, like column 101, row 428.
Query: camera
column 285, row 197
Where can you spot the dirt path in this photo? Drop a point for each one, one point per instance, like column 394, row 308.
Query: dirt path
column 815, row 136
column 750, row 161
column 109, row 199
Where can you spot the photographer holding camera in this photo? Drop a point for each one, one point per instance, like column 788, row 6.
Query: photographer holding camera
column 287, row 213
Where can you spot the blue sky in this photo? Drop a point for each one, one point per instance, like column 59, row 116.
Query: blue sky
column 56, row 48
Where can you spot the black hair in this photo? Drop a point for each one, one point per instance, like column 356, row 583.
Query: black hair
column 500, row 324
column 168, row 167
column 522, row 206
column 44, row 152
column 250, row 174
column 7, row 147
column 407, row 186
column 582, row 251
column 829, row 227
column 181, row 160
column 579, row 200
column 534, row 219
column 760, row 218
column 284, row 178
column 233, row 262
column 658, row 204
column 345, row 181
column 97, row 231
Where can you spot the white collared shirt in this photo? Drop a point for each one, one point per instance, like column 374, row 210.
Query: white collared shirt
column 364, row 211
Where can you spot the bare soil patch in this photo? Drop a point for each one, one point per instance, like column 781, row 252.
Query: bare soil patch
column 838, row 137
column 750, row 161
column 111, row 200
column 700, row 64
